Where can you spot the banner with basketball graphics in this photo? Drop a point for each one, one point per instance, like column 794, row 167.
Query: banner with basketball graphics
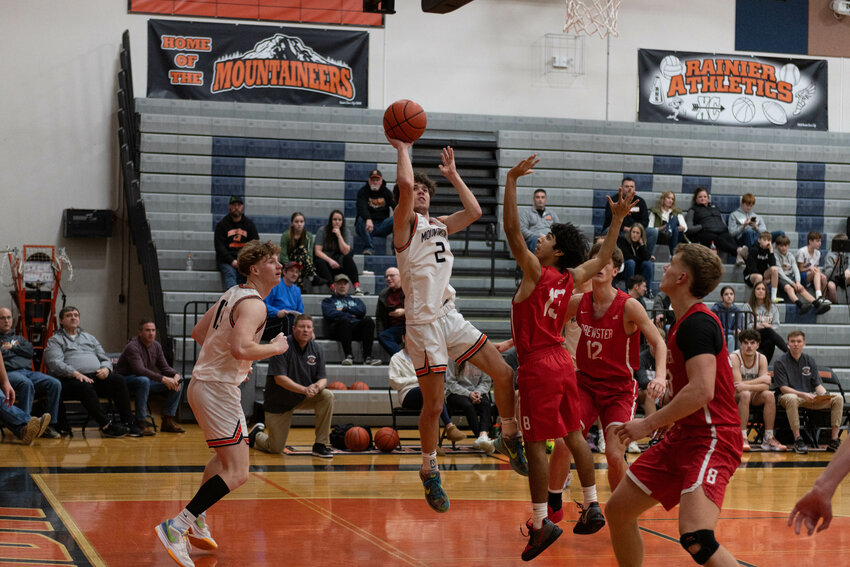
column 266, row 64
column 732, row 90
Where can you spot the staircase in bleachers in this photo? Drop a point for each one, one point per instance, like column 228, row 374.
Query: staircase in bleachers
column 194, row 155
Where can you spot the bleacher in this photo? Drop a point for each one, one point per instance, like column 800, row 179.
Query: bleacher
column 194, row 155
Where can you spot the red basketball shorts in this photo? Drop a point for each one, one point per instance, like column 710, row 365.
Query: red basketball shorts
column 547, row 393
column 612, row 401
column 687, row 459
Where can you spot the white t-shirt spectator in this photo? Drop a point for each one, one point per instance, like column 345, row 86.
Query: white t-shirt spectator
column 806, row 259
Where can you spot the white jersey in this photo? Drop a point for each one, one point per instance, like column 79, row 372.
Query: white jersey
column 215, row 363
column 425, row 264
column 751, row 372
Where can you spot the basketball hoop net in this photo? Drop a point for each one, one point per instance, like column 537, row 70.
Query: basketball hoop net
column 592, row 17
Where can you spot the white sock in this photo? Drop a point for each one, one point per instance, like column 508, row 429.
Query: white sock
column 773, row 291
column 768, row 434
column 183, row 520
column 589, row 495
column 817, row 294
column 538, row 513
column 429, row 462
column 744, row 433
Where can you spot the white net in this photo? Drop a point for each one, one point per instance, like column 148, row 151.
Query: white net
column 592, row 17
column 62, row 261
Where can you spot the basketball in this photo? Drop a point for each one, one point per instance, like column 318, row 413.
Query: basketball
column 357, row 439
column 743, row 110
column 337, row 386
column 359, row 386
column 405, row 120
column 386, row 439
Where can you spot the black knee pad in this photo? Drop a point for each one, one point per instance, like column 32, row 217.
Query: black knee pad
column 706, row 542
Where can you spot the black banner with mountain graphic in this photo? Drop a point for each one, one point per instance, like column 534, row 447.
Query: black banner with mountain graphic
column 265, row 64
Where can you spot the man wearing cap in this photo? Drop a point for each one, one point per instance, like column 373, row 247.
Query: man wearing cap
column 231, row 234
column 374, row 204
column 284, row 302
column 347, row 320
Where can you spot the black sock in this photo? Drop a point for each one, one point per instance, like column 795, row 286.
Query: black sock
column 555, row 500
column 211, row 492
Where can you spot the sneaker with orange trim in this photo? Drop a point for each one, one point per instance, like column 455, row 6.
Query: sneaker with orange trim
column 199, row 534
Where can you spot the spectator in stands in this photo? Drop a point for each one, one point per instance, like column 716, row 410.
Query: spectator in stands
column 333, row 252
column 296, row 245
column 638, row 214
column 636, row 254
column 17, row 359
column 745, row 226
column 144, row 359
column 296, row 380
column 374, row 211
column 706, row 226
column 766, row 321
column 797, row 378
column 752, row 388
column 284, row 302
column 808, row 262
column 729, row 315
column 25, row 427
column 347, row 320
column 389, row 313
column 636, row 287
column 536, row 221
column 837, row 268
column 468, row 391
column 643, row 376
column 789, row 278
column 668, row 220
column 403, row 379
column 78, row 360
column 231, row 234
column 761, row 264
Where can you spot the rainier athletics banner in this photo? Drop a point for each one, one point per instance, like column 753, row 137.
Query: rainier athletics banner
column 257, row 64
column 732, row 90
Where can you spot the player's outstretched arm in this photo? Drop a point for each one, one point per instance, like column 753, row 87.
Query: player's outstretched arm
column 403, row 214
column 817, row 503
column 527, row 261
column 471, row 211
column 248, row 316
column 620, row 210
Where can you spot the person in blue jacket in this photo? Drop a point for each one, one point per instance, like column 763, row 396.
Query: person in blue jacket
column 284, row 302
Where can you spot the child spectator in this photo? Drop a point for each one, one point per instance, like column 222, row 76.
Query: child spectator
column 767, row 321
column 761, row 264
column 669, row 221
column 837, row 268
column 808, row 262
column 296, row 245
column 745, row 226
column 789, row 277
column 729, row 315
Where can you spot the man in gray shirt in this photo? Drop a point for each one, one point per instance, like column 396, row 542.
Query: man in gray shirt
column 796, row 376
column 77, row 359
column 296, row 380
column 536, row 221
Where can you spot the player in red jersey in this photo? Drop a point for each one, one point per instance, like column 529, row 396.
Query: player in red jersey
column 547, row 385
column 607, row 356
column 696, row 459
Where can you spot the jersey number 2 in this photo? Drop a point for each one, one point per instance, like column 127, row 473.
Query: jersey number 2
column 440, row 251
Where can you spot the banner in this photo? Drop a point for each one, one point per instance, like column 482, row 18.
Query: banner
column 732, row 90
column 257, row 64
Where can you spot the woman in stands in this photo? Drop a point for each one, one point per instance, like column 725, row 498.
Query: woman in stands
column 706, row 226
column 636, row 255
column 296, row 244
column 729, row 315
column 334, row 253
column 767, row 321
column 669, row 221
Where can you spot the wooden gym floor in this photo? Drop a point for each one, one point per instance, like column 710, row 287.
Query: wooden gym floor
column 91, row 501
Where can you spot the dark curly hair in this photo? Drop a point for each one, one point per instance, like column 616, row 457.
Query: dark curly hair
column 418, row 177
column 569, row 240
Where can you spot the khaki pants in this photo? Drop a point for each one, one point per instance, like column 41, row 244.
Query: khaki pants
column 273, row 439
column 792, row 403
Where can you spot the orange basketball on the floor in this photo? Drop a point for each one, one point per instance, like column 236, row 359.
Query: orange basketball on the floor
column 357, row 439
column 337, row 386
column 359, row 386
column 386, row 439
column 405, row 120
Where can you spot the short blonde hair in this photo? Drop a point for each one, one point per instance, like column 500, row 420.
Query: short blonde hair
column 704, row 266
column 253, row 252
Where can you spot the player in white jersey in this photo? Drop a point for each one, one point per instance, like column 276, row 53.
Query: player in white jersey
column 435, row 330
column 229, row 335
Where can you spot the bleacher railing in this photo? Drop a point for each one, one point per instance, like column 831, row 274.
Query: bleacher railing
column 192, row 312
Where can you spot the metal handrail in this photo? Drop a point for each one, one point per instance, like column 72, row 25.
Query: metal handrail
column 195, row 314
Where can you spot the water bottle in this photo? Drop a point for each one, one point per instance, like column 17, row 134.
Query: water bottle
column 189, row 265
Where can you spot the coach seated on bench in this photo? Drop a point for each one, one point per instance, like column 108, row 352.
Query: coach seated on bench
column 77, row 359
column 798, row 381
column 296, row 380
column 143, row 360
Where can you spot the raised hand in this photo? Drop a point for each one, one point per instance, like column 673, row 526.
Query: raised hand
column 447, row 168
column 398, row 144
column 624, row 204
column 524, row 167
